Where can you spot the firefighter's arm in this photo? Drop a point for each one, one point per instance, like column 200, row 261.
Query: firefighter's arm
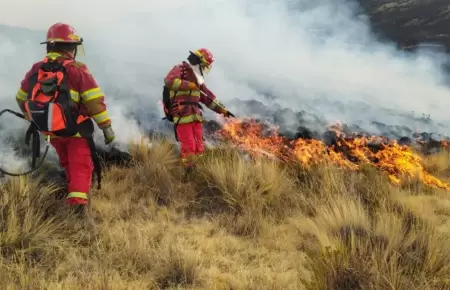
column 210, row 100
column 92, row 98
column 174, row 82
column 22, row 93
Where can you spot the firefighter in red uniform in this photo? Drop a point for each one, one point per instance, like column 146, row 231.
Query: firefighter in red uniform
column 187, row 89
column 74, row 152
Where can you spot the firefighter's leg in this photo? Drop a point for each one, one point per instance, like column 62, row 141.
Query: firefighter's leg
column 60, row 145
column 80, row 171
column 198, row 134
column 185, row 134
column 61, row 148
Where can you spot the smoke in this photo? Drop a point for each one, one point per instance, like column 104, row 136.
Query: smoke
column 317, row 56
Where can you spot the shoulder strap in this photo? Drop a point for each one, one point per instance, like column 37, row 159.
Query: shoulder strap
column 55, row 65
column 47, row 64
column 64, row 83
column 33, row 78
column 32, row 82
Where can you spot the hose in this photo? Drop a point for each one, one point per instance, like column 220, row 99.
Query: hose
column 41, row 161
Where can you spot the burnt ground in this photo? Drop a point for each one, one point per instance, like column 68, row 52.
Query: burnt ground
column 410, row 24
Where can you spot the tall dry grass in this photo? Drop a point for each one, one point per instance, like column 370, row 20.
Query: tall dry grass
column 232, row 223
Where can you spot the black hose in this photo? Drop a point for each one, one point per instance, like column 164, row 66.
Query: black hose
column 41, row 161
column 14, row 113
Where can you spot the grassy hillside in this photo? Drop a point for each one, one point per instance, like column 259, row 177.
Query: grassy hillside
column 233, row 223
column 410, row 22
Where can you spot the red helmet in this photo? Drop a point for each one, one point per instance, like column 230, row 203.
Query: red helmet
column 61, row 32
column 206, row 58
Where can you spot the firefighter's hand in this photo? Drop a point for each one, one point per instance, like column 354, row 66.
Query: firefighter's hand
column 109, row 135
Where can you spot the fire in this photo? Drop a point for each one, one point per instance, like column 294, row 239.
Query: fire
column 396, row 160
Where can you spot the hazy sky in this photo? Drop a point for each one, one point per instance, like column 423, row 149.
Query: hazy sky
column 81, row 13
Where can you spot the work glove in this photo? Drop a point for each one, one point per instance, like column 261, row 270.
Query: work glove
column 108, row 132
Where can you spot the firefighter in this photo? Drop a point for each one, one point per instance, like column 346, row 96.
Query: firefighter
column 186, row 87
column 74, row 152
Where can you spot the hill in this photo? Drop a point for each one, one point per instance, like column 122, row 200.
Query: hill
column 410, row 22
column 303, row 209
column 238, row 221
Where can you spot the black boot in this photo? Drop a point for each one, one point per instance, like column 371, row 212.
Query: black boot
column 60, row 194
column 78, row 210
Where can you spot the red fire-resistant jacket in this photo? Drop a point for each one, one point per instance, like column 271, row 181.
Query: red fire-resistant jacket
column 183, row 86
column 84, row 91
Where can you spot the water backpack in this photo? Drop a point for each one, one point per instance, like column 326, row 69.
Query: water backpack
column 52, row 110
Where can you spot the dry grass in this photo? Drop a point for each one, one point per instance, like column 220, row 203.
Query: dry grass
column 230, row 224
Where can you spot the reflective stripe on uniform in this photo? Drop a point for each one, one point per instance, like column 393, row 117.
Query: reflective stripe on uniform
column 77, row 195
column 176, row 84
column 188, row 119
column 184, row 93
column 21, row 95
column 50, row 118
column 91, row 95
column 101, row 117
column 75, row 96
column 186, row 161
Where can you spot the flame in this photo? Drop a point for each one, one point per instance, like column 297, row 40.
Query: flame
column 397, row 161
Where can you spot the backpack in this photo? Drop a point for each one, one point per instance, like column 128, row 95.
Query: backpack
column 49, row 105
column 51, row 109
column 167, row 103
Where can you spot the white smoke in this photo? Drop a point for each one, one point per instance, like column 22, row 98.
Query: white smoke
column 315, row 56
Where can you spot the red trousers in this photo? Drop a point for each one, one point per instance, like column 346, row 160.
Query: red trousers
column 190, row 136
column 75, row 157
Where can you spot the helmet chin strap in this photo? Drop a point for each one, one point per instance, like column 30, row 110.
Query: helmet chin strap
column 72, row 53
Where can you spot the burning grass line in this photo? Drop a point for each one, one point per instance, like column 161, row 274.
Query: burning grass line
column 397, row 161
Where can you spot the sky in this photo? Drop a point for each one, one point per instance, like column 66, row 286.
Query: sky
column 314, row 56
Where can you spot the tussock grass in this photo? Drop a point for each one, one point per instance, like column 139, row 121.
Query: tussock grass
column 231, row 223
column 438, row 164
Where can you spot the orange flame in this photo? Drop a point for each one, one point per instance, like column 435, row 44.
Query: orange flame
column 392, row 158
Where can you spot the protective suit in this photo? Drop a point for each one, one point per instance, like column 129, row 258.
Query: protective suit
column 87, row 101
column 187, row 90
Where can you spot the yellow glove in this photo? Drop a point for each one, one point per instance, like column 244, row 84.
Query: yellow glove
column 109, row 135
